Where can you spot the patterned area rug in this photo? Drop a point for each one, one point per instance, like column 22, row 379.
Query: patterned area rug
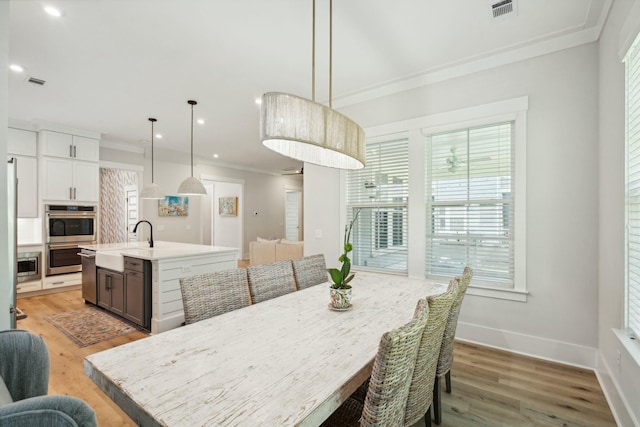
column 89, row 326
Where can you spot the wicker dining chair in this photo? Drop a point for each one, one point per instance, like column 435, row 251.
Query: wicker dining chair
column 310, row 271
column 445, row 360
column 212, row 294
column 393, row 368
column 272, row 280
column 421, row 388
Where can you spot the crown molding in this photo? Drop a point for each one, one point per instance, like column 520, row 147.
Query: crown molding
column 121, row 146
column 541, row 46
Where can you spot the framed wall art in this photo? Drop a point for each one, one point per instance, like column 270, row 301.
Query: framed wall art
column 173, row 206
column 228, row 206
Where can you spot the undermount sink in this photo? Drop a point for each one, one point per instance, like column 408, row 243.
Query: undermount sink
column 113, row 260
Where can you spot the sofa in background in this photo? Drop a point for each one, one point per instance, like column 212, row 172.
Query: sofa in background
column 265, row 251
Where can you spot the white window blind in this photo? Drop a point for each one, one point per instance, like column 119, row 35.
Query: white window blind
column 632, row 263
column 380, row 192
column 470, row 211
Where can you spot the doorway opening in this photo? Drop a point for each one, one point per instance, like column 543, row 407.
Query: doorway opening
column 293, row 229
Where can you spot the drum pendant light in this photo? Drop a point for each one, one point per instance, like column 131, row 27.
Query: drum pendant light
column 191, row 186
column 309, row 131
column 153, row 190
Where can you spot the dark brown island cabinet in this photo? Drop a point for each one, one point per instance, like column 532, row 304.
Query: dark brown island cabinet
column 127, row 294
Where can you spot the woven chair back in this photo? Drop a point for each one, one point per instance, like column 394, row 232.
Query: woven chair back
column 445, row 360
column 421, row 389
column 24, row 364
column 393, row 368
column 310, row 271
column 212, row 294
column 269, row 281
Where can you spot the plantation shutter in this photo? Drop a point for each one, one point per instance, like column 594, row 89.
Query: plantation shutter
column 380, row 193
column 470, row 210
column 632, row 65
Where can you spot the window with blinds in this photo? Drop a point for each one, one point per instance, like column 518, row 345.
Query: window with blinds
column 469, row 196
column 380, row 192
column 632, row 190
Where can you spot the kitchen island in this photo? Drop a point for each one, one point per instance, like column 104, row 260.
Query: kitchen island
column 169, row 261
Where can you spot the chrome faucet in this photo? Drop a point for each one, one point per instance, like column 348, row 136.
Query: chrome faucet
column 150, row 228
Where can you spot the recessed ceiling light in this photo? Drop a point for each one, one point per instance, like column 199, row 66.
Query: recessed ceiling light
column 215, row 156
column 53, row 11
column 17, row 68
column 159, row 135
column 258, row 101
column 200, row 121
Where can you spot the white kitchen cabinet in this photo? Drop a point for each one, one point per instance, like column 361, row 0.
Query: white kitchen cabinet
column 33, row 286
column 21, row 144
column 70, row 180
column 86, row 181
column 56, row 144
column 86, row 148
column 62, row 280
column 69, row 167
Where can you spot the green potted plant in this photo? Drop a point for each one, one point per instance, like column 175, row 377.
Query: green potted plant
column 340, row 289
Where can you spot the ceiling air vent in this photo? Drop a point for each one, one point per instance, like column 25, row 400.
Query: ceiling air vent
column 36, row 81
column 502, row 8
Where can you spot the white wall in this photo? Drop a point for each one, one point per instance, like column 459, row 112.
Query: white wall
column 188, row 229
column 6, row 281
column 227, row 230
column 621, row 385
column 559, row 320
column 323, row 218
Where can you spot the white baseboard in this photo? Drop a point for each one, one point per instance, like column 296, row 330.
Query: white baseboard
column 611, row 390
column 529, row 345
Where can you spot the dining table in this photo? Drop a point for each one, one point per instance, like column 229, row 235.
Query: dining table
column 288, row 361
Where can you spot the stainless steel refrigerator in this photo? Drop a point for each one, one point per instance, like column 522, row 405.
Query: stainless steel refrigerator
column 12, row 214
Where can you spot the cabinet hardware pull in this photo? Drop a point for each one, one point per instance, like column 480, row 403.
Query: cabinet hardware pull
column 70, row 150
column 75, row 151
column 74, row 193
column 71, row 193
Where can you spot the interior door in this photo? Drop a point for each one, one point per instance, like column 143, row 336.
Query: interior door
column 132, row 211
column 293, row 217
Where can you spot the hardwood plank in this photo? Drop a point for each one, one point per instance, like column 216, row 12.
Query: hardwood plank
column 67, row 376
column 491, row 387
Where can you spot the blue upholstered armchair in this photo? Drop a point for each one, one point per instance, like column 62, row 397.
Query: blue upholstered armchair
column 24, row 382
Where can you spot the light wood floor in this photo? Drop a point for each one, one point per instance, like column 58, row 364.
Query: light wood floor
column 490, row 387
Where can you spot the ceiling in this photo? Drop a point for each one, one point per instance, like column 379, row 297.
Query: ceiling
column 111, row 64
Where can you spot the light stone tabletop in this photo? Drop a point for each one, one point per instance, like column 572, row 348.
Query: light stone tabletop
column 289, row 361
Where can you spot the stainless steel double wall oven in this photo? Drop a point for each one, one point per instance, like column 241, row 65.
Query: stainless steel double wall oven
column 66, row 227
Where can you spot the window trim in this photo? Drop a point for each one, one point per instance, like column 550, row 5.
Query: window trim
column 514, row 109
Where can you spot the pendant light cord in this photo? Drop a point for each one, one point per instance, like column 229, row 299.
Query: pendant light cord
column 192, row 139
column 313, row 54
column 152, row 120
column 152, row 150
column 330, row 51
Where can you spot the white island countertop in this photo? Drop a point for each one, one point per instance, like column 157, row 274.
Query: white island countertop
column 161, row 249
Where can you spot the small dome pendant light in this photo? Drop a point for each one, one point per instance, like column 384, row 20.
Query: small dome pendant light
column 153, row 190
column 192, row 186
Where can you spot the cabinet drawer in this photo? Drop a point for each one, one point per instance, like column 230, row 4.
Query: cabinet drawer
column 34, row 285
column 134, row 264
